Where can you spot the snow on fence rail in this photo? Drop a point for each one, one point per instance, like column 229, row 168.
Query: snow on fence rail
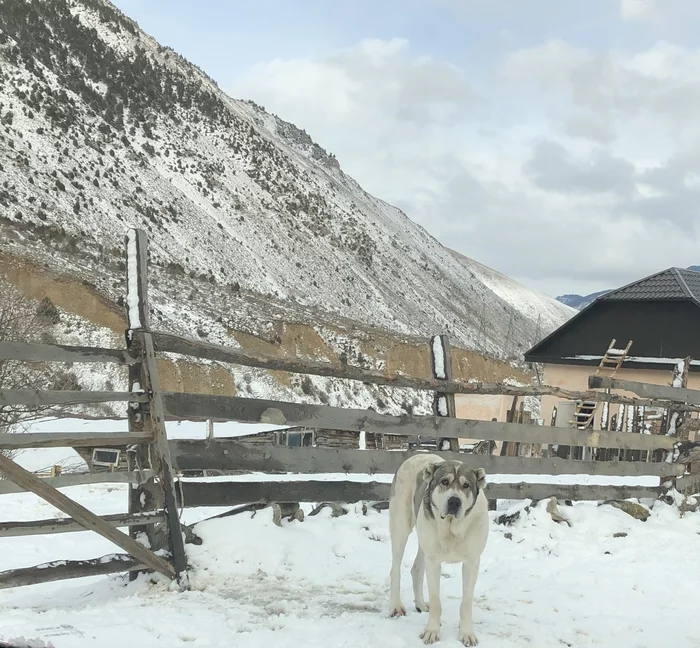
column 155, row 494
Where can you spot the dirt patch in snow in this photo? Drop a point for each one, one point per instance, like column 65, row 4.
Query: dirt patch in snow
column 283, row 339
column 64, row 291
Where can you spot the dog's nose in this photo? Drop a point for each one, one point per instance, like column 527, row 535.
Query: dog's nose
column 453, row 505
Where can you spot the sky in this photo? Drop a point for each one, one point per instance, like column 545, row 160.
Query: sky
column 555, row 141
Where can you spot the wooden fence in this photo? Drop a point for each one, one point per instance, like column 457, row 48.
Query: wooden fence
column 156, row 492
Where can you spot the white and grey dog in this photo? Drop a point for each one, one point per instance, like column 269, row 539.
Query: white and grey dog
column 445, row 501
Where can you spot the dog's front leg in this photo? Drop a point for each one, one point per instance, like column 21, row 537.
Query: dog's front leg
column 418, row 576
column 431, row 634
column 470, row 570
column 399, row 538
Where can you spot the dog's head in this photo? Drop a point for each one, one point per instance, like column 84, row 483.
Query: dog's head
column 452, row 489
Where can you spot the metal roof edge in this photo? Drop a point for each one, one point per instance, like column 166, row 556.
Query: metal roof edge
column 681, row 282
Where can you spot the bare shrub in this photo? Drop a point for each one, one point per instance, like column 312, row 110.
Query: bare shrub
column 23, row 320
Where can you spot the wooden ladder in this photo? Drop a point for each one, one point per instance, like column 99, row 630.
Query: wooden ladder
column 610, row 362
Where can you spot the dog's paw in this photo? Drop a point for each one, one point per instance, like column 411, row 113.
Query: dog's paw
column 398, row 611
column 468, row 638
column 422, row 607
column 430, row 635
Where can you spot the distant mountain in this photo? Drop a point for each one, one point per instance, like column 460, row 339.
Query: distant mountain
column 579, row 302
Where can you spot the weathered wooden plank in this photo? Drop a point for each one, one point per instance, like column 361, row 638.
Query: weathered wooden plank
column 137, row 306
column 65, row 569
column 36, row 398
column 147, row 495
column 80, row 479
column 220, row 493
column 167, row 343
column 67, row 525
column 250, row 410
column 646, row 390
column 443, row 402
column 161, row 450
column 35, row 352
column 69, row 439
column 574, row 492
column 231, row 454
column 80, row 514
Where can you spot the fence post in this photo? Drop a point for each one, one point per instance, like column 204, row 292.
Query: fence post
column 151, row 494
column 443, row 404
column 145, row 496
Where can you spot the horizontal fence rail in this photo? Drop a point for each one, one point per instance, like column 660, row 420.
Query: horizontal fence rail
column 249, row 410
column 167, row 343
column 37, row 398
column 229, row 454
column 82, row 479
column 15, row 441
column 36, row 352
column 66, row 569
column 68, row 525
column 673, row 394
column 230, row 493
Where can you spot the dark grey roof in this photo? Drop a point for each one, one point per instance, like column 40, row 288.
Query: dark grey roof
column 674, row 283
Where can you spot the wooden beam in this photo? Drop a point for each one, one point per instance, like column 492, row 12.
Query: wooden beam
column 164, row 464
column 147, row 495
column 232, row 454
column 220, row 493
column 232, row 408
column 67, row 525
column 12, row 441
column 37, row 398
column 80, row 514
column 80, row 479
column 65, row 569
column 443, row 402
column 35, row 352
column 663, row 392
column 167, row 343
column 137, row 306
column 574, row 492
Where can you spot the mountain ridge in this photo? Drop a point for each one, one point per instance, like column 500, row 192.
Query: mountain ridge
column 102, row 128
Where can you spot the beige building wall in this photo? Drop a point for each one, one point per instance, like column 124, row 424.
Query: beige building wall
column 480, row 407
column 575, row 378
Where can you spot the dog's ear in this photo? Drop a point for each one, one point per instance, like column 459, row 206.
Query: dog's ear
column 429, row 471
column 480, row 478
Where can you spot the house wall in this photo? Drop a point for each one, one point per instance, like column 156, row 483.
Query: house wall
column 480, row 407
column 575, row 378
column 659, row 329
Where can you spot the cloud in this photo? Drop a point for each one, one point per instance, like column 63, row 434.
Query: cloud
column 589, row 128
column 658, row 11
column 558, row 164
column 375, row 75
column 553, row 168
column 637, row 9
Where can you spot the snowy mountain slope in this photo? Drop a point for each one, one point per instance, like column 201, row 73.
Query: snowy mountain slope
column 526, row 304
column 102, row 128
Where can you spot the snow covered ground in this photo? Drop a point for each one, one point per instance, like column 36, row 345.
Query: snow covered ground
column 608, row 581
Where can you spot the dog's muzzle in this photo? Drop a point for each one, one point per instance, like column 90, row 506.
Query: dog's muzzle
column 454, row 504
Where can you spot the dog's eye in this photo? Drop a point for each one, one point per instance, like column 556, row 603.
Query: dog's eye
column 445, row 482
